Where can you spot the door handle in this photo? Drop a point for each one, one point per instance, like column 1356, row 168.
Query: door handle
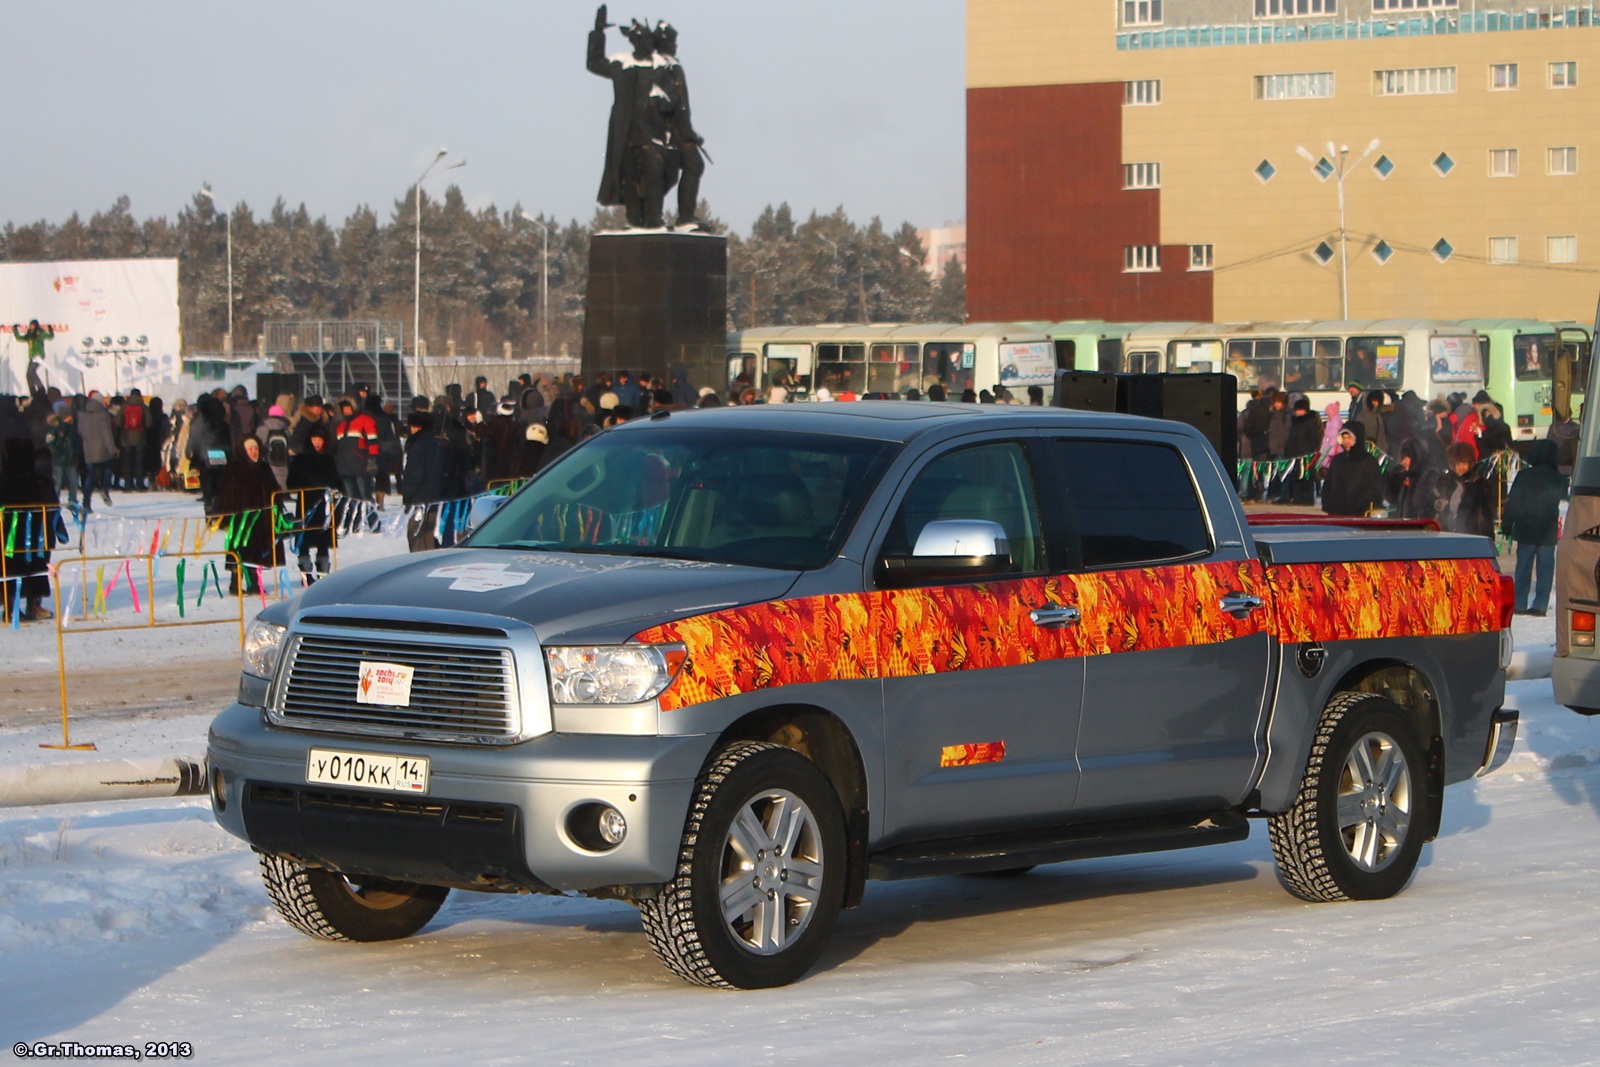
column 1055, row 617
column 1241, row 604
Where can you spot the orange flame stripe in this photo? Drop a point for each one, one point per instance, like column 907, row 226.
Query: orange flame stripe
column 900, row 633
column 967, row 755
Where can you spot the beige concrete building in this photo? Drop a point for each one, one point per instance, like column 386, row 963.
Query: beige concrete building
column 1464, row 132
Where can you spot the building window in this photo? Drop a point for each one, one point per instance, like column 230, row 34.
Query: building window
column 1502, row 76
column 1412, row 5
column 1443, row 249
column 1141, row 93
column 1141, row 258
column 1323, row 253
column 1324, row 168
column 1265, row 170
column 1502, row 250
column 1141, row 175
column 1384, row 166
column 1563, row 161
column 1200, row 257
column 1564, row 75
column 1141, row 12
column 1561, row 249
column 1382, row 251
column 1288, row 9
column 1294, row 86
column 1443, row 163
column 1502, row 162
column 1414, row 81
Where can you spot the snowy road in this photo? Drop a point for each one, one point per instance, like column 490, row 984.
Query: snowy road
column 142, row 921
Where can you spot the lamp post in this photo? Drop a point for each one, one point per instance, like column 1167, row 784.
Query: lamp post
column 544, row 282
column 227, row 218
column 416, row 292
column 1338, row 160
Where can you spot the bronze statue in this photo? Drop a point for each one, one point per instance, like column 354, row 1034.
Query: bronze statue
column 650, row 141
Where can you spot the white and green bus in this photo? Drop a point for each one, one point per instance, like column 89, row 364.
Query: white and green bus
column 1534, row 368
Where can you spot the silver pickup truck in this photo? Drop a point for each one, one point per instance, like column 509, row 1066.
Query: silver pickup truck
column 729, row 665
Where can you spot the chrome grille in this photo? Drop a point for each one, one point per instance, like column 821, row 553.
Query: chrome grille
column 459, row 692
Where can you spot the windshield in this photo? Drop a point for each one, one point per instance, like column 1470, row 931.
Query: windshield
column 762, row 499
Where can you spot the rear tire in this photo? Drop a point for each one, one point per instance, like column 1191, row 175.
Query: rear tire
column 332, row 907
column 1355, row 830
column 760, row 876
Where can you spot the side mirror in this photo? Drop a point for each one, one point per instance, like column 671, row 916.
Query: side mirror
column 482, row 508
column 951, row 548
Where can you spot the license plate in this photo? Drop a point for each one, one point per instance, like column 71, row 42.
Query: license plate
column 368, row 770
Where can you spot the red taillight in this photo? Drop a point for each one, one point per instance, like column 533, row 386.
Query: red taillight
column 1583, row 622
column 1508, row 600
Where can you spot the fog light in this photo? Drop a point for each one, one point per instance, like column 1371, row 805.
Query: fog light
column 219, row 791
column 613, row 827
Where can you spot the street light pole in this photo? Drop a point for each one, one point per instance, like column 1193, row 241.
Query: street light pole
column 227, row 218
column 416, row 292
column 544, row 284
column 1339, row 157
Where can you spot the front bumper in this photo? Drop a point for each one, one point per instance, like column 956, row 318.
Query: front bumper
column 494, row 817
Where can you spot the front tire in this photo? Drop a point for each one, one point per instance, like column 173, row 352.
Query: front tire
column 760, row 876
column 1356, row 828
column 331, row 907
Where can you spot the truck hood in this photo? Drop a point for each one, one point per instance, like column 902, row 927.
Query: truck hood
column 566, row 597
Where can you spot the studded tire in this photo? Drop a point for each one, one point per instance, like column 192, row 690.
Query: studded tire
column 1356, row 828
column 760, row 876
column 327, row 905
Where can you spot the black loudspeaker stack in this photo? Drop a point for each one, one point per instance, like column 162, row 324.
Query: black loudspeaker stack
column 1204, row 401
column 270, row 386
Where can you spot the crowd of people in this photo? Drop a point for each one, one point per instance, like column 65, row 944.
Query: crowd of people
column 1449, row 460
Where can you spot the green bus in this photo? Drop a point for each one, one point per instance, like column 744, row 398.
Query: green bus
column 1532, row 369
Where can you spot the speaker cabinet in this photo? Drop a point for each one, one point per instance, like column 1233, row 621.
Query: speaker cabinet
column 1085, row 390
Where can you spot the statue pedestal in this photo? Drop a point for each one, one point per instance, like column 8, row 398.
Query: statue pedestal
column 657, row 302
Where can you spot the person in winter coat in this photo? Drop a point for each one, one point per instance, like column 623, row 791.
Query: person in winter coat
column 1533, row 508
column 274, row 435
column 242, row 414
column 157, row 429
column 25, row 483
column 432, row 474
column 356, row 449
column 1333, row 422
column 66, row 451
column 208, row 447
column 1370, row 416
column 316, row 473
column 135, row 429
column 1405, row 482
column 1464, row 497
column 1305, row 433
column 1354, row 483
column 99, row 448
column 245, row 493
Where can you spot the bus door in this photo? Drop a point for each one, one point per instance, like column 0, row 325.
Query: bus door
column 1108, row 352
column 1066, row 354
column 1571, row 369
column 952, row 364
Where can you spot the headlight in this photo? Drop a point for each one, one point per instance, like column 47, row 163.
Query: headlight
column 261, row 643
column 612, row 674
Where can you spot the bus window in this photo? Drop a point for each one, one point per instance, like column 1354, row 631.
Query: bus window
column 841, row 368
column 1312, row 364
column 1109, row 355
column 1066, row 355
column 1146, row 362
column 1256, row 362
column 1194, row 357
column 741, row 371
column 788, row 365
column 1454, row 359
column 1375, row 362
column 950, row 364
column 889, row 368
column 1533, row 356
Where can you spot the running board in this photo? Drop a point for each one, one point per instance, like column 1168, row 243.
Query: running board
column 999, row 852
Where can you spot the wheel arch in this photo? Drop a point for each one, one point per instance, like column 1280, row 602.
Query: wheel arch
column 824, row 739
column 1408, row 687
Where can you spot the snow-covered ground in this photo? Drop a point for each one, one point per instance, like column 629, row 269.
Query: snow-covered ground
column 142, row 921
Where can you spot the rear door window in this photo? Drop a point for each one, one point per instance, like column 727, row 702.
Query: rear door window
column 1128, row 503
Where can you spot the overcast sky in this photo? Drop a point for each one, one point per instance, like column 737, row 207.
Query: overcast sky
column 335, row 103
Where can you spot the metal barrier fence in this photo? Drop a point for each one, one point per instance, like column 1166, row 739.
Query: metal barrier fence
column 97, row 618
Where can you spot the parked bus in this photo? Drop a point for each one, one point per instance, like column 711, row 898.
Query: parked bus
column 890, row 358
column 1320, row 359
column 1575, row 674
column 1533, row 368
column 1091, row 345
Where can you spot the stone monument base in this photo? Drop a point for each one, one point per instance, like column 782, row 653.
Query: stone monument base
column 658, row 301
